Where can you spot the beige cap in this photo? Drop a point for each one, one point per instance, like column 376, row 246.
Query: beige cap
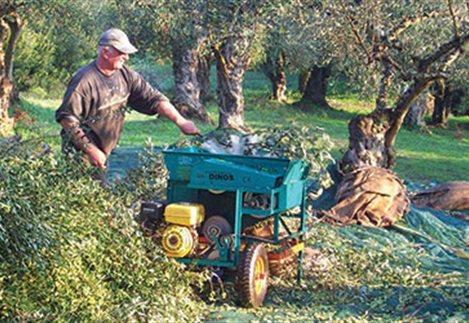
column 118, row 39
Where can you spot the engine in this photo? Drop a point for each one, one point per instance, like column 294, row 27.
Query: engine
column 180, row 237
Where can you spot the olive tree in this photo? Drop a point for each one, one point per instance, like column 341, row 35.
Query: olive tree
column 449, row 93
column 180, row 32
column 274, row 67
column 409, row 46
column 11, row 22
column 303, row 37
column 240, row 27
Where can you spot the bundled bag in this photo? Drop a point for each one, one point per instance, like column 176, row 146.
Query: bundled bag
column 370, row 196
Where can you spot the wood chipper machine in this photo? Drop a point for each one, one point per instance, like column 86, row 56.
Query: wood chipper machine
column 215, row 204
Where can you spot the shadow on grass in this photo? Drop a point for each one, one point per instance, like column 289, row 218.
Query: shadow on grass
column 323, row 111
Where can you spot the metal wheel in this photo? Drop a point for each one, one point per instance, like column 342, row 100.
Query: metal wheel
column 253, row 275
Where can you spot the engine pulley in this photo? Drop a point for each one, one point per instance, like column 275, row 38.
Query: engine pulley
column 179, row 241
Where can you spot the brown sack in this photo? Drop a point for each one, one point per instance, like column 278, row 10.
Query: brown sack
column 447, row 196
column 370, row 196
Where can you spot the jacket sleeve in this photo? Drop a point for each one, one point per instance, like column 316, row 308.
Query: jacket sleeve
column 143, row 97
column 74, row 106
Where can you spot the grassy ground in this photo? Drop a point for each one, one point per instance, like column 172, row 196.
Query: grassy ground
column 436, row 154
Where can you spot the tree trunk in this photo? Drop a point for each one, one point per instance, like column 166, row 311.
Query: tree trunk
column 232, row 61
column 6, row 86
column 203, row 76
column 303, row 80
column 316, row 87
column 274, row 69
column 417, row 111
column 442, row 107
column 15, row 23
column 367, row 141
column 372, row 136
column 187, row 99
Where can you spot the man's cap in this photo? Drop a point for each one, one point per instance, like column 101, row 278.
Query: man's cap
column 118, row 39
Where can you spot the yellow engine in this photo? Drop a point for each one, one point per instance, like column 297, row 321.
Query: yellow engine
column 180, row 236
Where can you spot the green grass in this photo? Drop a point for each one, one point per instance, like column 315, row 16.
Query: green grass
column 434, row 155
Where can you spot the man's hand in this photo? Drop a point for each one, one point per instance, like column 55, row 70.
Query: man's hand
column 96, row 157
column 189, row 128
column 165, row 108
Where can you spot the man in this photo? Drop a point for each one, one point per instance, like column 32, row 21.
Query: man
column 93, row 108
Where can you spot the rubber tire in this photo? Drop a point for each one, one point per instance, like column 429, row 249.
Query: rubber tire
column 248, row 296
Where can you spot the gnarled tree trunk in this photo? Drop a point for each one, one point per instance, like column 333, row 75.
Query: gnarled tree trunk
column 187, row 99
column 232, row 61
column 203, row 76
column 316, row 87
column 10, row 27
column 372, row 136
column 274, row 69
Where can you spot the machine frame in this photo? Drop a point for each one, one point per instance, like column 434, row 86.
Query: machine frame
column 283, row 182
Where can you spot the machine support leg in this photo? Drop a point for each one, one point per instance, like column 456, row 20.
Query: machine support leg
column 299, row 273
column 238, row 223
column 276, row 227
column 303, row 221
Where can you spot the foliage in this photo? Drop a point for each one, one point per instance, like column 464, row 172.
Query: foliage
column 159, row 76
column 375, row 33
column 71, row 250
column 34, row 62
column 148, row 181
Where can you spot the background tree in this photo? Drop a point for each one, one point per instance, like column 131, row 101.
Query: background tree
column 449, row 94
column 413, row 45
column 182, row 31
column 422, row 105
column 10, row 27
column 241, row 26
column 310, row 36
column 275, row 70
column 274, row 65
column 189, row 37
